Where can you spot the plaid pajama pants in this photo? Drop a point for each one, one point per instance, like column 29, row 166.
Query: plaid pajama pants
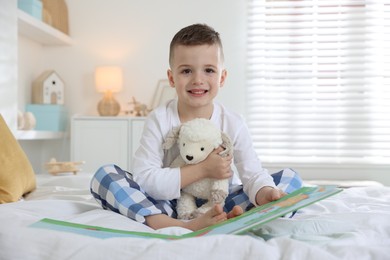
column 115, row 190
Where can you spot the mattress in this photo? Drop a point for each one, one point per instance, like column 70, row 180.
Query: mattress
column 354, row 224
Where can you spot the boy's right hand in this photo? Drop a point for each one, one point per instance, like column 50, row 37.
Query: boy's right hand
column 214, row 166
column 217, row 167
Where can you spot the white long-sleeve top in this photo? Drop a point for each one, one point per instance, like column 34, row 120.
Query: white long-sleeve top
column 151, row 163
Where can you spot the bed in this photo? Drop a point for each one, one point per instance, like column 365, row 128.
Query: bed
column 353, row 224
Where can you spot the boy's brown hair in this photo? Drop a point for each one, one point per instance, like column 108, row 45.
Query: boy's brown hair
column 196, row 34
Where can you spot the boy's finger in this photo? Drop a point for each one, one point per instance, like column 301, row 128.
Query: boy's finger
column 277, row 194
column 280, row 194
column 218, row 149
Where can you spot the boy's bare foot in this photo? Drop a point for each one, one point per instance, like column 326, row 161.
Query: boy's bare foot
column 235, row 212
column 211, row 217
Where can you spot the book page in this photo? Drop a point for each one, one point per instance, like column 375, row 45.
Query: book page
column 240, row 225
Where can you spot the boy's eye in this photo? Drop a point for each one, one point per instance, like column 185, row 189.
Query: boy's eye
column 202, row 149
column 209, row 70
column 186, row 71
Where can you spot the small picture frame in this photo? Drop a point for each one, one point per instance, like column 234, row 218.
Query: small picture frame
column 163, row 93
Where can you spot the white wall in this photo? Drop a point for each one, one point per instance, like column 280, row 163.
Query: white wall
column 8, row 63
column 136, row 36
column 31, row 63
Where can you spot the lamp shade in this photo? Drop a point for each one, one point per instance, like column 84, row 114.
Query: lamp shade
column 108, row 78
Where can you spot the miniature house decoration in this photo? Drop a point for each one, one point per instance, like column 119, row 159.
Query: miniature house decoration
column 48, row 102
column 48, row 88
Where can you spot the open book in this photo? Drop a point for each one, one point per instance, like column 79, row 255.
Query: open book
column 247, row 222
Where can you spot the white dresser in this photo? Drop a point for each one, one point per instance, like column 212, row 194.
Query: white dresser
column 105, row 140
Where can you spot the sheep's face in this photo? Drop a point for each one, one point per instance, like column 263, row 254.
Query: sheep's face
column 197, row 139
column 194, row 152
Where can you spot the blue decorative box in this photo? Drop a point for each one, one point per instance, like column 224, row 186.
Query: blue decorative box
column 49, row 117
column 32, row 7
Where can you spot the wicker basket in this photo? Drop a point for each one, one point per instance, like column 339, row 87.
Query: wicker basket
column 55, row 13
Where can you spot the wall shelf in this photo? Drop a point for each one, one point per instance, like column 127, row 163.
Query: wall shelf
column 41, row 32
column 38, row 135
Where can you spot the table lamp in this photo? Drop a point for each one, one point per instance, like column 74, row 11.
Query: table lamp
column 108, row 80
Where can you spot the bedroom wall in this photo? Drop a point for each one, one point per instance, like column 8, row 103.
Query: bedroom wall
column 136, row 36
column 131, row 34
column 8, row 63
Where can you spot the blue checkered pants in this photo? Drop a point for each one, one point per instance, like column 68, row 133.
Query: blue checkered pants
column 115, row 190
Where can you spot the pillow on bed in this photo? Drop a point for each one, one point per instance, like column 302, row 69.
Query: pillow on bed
column 17, row 176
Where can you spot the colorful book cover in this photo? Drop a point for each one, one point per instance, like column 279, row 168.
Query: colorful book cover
column 247, row 222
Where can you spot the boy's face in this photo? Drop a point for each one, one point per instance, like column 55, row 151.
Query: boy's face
column 197, row 74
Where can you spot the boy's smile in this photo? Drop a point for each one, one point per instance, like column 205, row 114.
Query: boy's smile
column 197, row 74
column 197, row 92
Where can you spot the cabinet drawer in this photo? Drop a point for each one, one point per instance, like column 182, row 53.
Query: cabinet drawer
column 99, row 142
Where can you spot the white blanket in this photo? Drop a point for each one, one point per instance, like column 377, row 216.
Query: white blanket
column 354, row 224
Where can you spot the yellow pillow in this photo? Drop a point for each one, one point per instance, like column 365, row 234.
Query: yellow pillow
column 17, row 176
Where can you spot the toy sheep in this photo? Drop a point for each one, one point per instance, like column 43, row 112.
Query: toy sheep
column 197, row 139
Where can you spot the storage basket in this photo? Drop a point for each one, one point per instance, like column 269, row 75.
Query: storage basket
column 55, row 13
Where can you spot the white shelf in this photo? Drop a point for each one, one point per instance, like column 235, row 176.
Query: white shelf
column 38, row 135
column 41, row 32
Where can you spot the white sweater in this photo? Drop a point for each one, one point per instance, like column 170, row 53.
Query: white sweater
column 151, row 163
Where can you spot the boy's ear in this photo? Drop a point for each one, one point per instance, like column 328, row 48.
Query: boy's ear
column 223, row 78
column 170, row 78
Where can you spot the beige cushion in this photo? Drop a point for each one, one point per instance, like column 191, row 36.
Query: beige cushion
column 17, row 176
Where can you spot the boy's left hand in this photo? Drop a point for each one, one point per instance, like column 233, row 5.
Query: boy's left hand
column 268, row 194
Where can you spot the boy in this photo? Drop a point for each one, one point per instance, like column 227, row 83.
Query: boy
column 197, row 73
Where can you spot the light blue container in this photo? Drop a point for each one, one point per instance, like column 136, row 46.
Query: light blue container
column 32, row 7
column 49, row 117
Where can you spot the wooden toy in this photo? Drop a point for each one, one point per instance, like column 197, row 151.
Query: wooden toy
column 54, row 167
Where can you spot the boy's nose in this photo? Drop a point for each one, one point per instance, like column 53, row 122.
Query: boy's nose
column 197, row 80
column 189, row 158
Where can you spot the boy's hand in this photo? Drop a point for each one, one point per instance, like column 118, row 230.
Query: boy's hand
column 214, row 166
column 268, row 194
column 217, row 167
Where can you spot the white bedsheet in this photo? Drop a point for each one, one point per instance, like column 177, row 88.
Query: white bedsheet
column 354, row 224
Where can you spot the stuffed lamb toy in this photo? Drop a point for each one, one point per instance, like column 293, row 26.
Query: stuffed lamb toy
column 197, row 139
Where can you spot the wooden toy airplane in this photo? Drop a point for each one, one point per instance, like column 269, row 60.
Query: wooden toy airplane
column 54, row 167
